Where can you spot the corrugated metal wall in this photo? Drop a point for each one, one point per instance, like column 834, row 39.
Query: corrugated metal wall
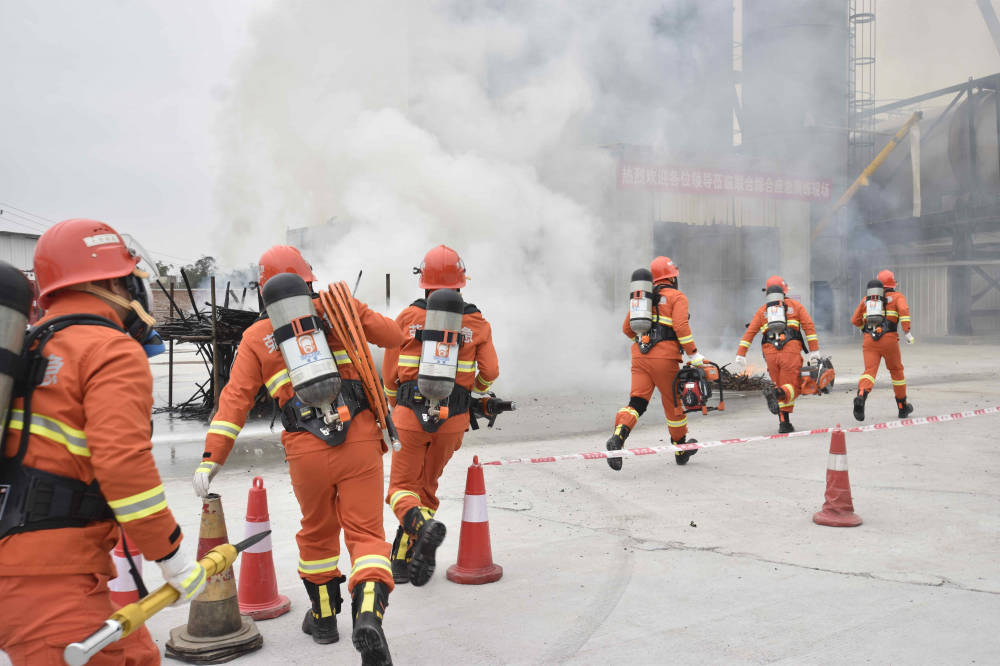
column 17, row 250
column 926, row 291
column 700, row 209
column 986, row 324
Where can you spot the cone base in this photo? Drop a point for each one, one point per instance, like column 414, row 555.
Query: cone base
column 267, row 610
column 463, row 576
column 837, row 518
column 213, row 649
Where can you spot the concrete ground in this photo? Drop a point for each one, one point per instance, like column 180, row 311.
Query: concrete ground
column 717, row 562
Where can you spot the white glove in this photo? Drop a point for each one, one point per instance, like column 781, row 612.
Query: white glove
column 739, row 365
column 203, row 477
column 183, row 573
column 909, row 338
column 696, row 360
column 814, row 356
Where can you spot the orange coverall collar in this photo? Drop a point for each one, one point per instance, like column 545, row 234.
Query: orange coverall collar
column 80, row 302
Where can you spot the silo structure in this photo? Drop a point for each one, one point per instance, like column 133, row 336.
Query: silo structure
column 795, row 78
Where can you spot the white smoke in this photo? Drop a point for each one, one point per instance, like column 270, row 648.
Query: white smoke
column 474, row 124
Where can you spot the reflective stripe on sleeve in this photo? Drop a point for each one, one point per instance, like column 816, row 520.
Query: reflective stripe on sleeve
column 810, row 338
column 74, row 440
column 400, row 494
column 371, row 562
column 318, row 566
column 904, row 318
column 686, row 339
column 744, row 343
column 406, row 361
column 389, row 393
column 140, row 505
column 276, row 381
column 225, row 428
column 482, row 384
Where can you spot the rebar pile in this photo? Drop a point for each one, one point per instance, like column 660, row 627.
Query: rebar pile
column 743, row 382
column 217, row 351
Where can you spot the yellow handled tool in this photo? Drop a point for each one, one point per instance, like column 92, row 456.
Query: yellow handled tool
column 129, row 618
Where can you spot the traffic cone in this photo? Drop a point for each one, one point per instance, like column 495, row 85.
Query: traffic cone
column 215, row 631
column 258, row 588
column 475, row 558
column 122, row 587
column 838, row 509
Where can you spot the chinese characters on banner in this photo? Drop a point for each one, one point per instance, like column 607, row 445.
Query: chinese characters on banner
column 715, row 181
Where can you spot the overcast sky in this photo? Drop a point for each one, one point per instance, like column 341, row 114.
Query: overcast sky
column 110, row 108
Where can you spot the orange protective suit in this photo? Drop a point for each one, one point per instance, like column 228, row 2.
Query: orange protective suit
column 336, row 486
column 658, row 367
column 418, row 465
column 897, row 312
column 90, row 420
column 784, row 365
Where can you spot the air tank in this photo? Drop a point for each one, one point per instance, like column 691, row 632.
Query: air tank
column 15, row 306
column 640, row 301
column 301, row 339
column 439, row 354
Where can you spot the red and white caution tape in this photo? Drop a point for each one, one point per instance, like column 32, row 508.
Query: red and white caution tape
column 653, row 450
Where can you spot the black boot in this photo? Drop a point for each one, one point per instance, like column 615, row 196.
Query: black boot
column 784, row 423
column 320, row 621
column 681, row 457
column 368, row 604
column 402, row 551
column 905, row 408
column 859, row 405
column 773, row 395
column 615, row 443
column 427, row 534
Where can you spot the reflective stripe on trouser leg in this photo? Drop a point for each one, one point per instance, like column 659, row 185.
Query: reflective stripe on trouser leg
column 627, row 416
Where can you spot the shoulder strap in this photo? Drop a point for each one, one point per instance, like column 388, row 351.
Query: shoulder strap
column 420, row 303
column 470, row 309
column 33, row 364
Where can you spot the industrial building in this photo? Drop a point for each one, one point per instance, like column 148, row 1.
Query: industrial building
column 804, row 124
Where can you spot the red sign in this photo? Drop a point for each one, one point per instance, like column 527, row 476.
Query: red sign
column 716, row 181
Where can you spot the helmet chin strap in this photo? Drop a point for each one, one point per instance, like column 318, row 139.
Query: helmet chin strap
column 112, row 297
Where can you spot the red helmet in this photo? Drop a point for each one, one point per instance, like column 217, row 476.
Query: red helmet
column 77, row 251
column 442, row 268
column 887, row 279
column 776, row 281
column 284, row 259
column 662, row 268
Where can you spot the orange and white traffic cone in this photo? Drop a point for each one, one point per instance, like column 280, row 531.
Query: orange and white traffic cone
column 215, row 631
column 475, row 557
column 838, row 509
column 258, row 588
column 122, row 587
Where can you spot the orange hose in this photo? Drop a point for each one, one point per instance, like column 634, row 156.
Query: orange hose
column 338, row 305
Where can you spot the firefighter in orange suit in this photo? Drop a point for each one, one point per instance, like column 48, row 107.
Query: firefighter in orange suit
column 786, row 328
column 655, row 364
column 338, row 482
column 86, row 454
column 428, row 444
column 880, row 315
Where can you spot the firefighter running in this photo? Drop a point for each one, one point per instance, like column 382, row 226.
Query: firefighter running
column 87, row 448
column 656, row 354
column 447, row 355
column 786, row 328
column 336, row 472
column 879, row 316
